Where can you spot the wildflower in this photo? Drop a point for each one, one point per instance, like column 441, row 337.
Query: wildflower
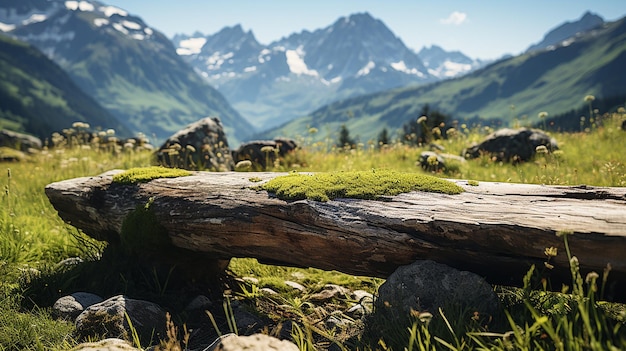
column 313, row 130
column 591, row 277
column 190, row 148
column 110, row 131
column 243, row 165
column 422, row 119
column 543, row 114
column 589, row 98
column 267, row 149
column 432, row 160
column 550, row 251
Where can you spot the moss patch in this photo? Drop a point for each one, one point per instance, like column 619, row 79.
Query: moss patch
column 146, row 174
column 359, row 184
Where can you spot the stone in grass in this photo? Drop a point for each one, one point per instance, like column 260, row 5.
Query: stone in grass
column 70, row 306
column 110, row 344
column 108, row 319
column 426, row 286
column 255, row 342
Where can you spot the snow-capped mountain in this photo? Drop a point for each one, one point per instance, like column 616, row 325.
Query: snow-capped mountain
column 272, row 84
column 130, row 68
column 565, row 33
column 448, row 64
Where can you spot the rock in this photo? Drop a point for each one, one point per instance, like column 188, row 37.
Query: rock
column 516, row 145
column 110, row 344
column 246, row 321
column 200, row 302
column 338, row 322
column 256, row 342
column 624, row 125
column 432, row 162
column 263, row 153
column 428, row 286
column 200, row 145
column 70, row 306
column 331, row 291
column 108, row 319
column 294, row 285
column 19, row 141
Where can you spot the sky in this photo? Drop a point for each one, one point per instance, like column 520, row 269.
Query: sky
column 483, row 29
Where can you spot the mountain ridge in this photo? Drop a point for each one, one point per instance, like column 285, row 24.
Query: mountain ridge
column 129, row 67
column 513, row 89
column 33, row 86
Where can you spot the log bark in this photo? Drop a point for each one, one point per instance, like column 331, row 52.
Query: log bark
column 497, row 230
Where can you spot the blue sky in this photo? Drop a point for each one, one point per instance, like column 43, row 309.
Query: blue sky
column 485, row 29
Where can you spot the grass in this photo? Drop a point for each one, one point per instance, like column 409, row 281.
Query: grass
column 33, row 240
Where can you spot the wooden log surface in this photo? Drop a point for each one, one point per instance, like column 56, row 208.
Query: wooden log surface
column 496, row 230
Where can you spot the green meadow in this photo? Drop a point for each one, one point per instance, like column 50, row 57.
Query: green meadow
column 33, row 240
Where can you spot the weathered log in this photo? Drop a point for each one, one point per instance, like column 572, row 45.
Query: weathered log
column 497, row 230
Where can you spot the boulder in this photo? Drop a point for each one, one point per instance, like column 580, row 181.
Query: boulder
column 110, row 344
column 426, row 286
column 433, row 162
column 108, row 319
column 255, row 342
column 19, row 141
column 515, row 145
column 199, row 146
column 70, row 306
column 263, row 153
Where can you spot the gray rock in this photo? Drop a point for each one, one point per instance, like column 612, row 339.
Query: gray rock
column 200, row 145
column 294, row 285
column 428, row 286
column 515, row 145
column 255, row 342
column 110, row 344
column 331, row 291
column 19, row 141
column 253, row 151
column 200, row 302
column 70, row 306
column 108, row 318
column 432, row 162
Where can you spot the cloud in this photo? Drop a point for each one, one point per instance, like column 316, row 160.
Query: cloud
column 456, row 18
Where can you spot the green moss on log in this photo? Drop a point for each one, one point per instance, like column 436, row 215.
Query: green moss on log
column 146, row 174
column 358, row 184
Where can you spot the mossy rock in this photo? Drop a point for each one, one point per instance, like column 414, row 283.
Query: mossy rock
column 146, row 174
column 358, row 184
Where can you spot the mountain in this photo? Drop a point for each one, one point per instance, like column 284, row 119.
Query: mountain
column 130, row 68
column 38, row 97
column 447, row 64
column 554, row 80
column 568, row 30
column 272, row 84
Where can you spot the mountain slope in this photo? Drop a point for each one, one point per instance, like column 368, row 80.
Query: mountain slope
column 292, row 76
column 130, row 68
column 520, row 87
column 568, row 30
column 38, row 97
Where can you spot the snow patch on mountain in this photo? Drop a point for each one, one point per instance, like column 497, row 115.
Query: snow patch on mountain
column 190, row 46
column 6, row 27
column 35, row 18
column 296, row 63
column 112, row 10
column 80, row 6
column 366, row 69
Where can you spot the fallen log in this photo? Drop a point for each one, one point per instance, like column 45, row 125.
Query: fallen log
column 497, row 230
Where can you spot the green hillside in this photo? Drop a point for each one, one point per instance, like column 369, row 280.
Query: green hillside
column 38, row 97
column 517, row 88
